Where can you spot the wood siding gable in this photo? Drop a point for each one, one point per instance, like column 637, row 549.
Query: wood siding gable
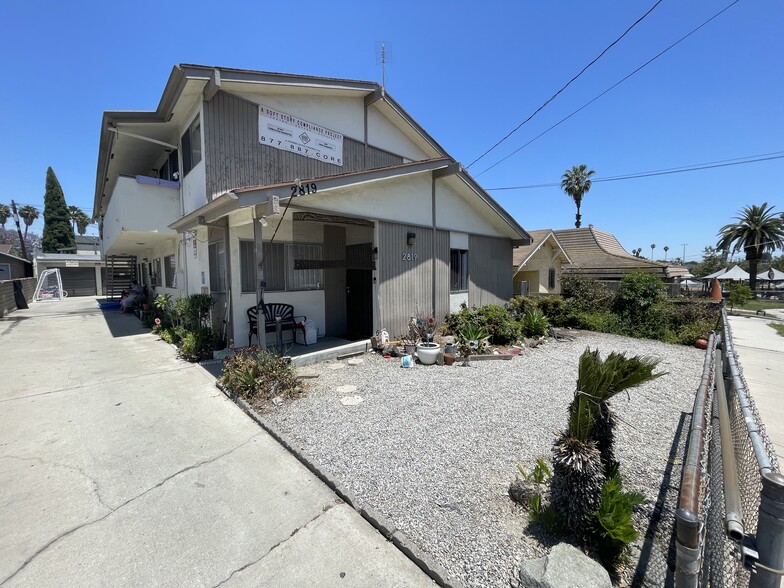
column 234, row 158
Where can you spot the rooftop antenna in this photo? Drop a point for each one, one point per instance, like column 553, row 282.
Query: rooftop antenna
column 383, row 56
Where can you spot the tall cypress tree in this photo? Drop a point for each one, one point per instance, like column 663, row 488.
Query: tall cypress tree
column 58, row 232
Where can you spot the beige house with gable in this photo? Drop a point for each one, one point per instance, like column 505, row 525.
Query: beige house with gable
column 537, row 267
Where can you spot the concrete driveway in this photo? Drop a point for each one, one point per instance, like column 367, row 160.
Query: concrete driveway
column 121, row 465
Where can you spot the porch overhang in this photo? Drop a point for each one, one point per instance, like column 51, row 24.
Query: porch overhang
column 210, row 212
column 262, row 194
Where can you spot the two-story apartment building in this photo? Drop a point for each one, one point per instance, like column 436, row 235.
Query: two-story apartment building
column 321, row 193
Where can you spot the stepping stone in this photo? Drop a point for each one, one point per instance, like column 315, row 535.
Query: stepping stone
column 336, row 366
column 355, row 361
column 351, row 400
column 307, row 373
column 348, row 389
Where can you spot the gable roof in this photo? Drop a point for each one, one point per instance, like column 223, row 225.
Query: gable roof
column 521, row 255
column 14, row 257
column 254, row 195
column 6, row 247
column 189, row 82
column 599, row 254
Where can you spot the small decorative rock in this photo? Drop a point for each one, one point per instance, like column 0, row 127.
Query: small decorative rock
column 277, row 401
column 565, row 567
column 348, row 389
column 336, row 366
column 351, row 400
column 355, row 361
column 307, row 373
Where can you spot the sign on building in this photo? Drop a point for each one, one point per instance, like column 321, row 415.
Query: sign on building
column 289, row 133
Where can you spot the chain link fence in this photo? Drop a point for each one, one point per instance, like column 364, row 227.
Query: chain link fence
column 707, row 556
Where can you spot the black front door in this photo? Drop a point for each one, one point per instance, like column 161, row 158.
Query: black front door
column 359, row 291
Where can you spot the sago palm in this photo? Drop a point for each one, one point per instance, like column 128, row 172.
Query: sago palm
column 758, row 230
column 602, row 380
column 583, row 455
column 576, row 182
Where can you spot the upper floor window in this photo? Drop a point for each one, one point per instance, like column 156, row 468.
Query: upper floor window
column 191, row 146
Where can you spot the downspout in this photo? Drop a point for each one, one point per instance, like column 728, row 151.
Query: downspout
column 433, row 244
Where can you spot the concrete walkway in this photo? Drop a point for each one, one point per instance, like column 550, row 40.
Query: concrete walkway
column 760, row 352
column 122, row 466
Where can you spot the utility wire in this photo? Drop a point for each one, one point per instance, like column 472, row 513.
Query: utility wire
column 615, row 85
column 582, row 71
column 663, row 172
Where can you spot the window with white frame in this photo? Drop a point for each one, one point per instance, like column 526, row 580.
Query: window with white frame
column 169, row 269
column 458, row 269
column 191, row 146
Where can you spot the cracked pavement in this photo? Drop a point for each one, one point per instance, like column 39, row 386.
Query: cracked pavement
column 121, row 465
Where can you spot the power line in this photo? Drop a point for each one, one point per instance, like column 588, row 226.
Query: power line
column 582, row 71
column 663, row 172
column 615, row 85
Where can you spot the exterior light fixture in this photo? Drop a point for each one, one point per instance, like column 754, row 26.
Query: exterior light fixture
column 263, row 221
column 411, row 239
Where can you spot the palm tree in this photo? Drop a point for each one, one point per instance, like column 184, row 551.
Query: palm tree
column 583, row 454
column 576, row 182
column 5, row 214
column 757, row 231
column 29, row 215
column 666, row 249
column 653, row 246
column 74, row 213
column 82, row 222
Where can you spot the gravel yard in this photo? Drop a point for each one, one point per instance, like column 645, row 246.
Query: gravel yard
column 433, row 448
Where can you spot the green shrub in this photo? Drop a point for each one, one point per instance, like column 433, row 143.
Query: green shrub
column 739, row 294
column 587, row 295
column 534, row 323
column 611, row 526
column 553, row 307
column 500, row 323
column 259, row 375
column 197, row 345
column 519, row 305
column 638, row 292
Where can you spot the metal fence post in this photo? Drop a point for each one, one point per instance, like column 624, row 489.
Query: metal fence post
column 770, row 532
column 687, row 549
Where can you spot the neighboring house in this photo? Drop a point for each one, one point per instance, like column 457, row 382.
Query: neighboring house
column 537, row 267
column 13, row 267
column 325, row 191
column 598, row 255
column 6, row 248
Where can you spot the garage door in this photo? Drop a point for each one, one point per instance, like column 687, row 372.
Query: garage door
column 78, row 281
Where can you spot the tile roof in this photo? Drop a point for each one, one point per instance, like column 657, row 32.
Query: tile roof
column 598, row 253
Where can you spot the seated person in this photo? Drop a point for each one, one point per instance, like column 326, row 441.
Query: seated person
column 128, row 303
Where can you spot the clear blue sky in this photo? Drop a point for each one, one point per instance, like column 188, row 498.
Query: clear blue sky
column 469, row 72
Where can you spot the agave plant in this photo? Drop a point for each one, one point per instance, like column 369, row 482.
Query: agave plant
column 583, row 454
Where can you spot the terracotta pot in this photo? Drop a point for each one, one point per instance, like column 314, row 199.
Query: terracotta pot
column 449, row 359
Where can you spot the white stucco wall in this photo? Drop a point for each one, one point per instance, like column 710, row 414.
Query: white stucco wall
column 139, row 208
column 454, row 212
column 197, row 268
column 385, row 135
column 536, row 271
column 405, row 200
